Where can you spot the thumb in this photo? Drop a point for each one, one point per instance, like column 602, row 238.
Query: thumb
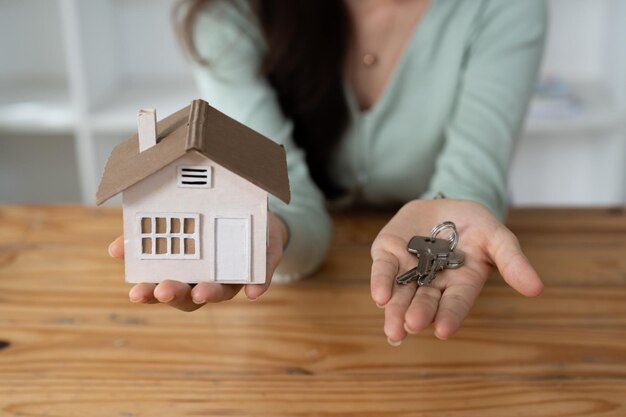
column 116, row 248
column 254, row 291
column 506, row 253
column 274, row 255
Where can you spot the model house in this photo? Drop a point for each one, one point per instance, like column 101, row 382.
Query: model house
column 195, row 188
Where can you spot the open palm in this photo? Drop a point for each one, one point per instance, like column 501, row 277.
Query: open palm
column 448, row 299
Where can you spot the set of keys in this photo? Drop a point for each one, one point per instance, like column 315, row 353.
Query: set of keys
column 433, row 255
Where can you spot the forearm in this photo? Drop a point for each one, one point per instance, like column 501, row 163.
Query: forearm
column 497, row 83
column 308, row 229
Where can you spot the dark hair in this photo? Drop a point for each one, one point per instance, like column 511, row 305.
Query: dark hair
column 306, row 46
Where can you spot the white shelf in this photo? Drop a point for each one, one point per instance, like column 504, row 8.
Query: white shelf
column 36, row 107
column 117, row 113
column 36, row 168
column 596, row 113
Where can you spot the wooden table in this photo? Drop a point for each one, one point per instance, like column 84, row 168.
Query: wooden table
column 71, row 345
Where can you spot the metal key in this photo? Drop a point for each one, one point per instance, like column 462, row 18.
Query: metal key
column 451, row 260
column 433, row 255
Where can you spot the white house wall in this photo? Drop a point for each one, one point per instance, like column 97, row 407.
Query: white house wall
column 229, row 195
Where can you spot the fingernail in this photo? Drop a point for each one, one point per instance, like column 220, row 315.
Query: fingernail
column 252, row 299
column 380, row 305
column 109, row 250
column 409, row 331
column 198, row 301
column 394, row 343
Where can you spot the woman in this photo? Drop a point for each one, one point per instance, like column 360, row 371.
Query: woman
column 378, row 102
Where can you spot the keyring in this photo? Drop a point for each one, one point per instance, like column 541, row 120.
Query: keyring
column 454, row 235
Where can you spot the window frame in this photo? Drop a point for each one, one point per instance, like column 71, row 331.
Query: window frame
column 168, row 235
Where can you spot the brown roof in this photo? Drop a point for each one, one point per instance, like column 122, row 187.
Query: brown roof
column 199, row 127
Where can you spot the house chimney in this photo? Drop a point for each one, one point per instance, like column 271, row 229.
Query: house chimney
column 146, row 127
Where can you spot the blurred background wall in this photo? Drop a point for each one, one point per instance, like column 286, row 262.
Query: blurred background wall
column 73, row 74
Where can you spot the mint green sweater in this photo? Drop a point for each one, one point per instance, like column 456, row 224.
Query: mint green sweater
column 446, row 122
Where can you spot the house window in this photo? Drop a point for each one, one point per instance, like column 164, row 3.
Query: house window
column 169, row 235
column 193, row 176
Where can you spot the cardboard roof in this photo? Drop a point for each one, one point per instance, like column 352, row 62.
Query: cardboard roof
column 202, row 128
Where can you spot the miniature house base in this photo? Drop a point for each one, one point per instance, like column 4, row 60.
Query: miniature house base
column 195, row 197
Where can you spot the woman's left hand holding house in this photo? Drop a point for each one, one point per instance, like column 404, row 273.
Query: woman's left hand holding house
column 186, row 297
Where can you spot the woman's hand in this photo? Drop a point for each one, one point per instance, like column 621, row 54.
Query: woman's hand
column 187, row 298
column 447, row 300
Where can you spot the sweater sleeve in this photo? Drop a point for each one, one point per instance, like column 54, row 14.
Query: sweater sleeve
column 227, row 38
column 500, row 68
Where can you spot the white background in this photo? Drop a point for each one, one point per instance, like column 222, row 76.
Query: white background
column 75, row 72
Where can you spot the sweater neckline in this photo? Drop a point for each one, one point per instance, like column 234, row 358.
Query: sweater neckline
column 392, row 82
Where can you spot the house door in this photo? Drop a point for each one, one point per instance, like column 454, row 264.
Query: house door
column 232, row 249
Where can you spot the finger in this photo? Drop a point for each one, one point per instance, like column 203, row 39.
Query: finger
column 384, row 271
column 274, row 255
column 395, row 311
column 213, row 292
column 254, row 291
column 513, row 265
column 176, row 294
column 116, row 248
column 422, row 310
column 142, row 293
column 455, row 304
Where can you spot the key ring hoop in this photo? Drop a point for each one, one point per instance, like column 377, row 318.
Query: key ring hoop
column 454, row 235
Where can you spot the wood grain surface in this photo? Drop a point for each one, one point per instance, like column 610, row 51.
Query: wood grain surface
column 71, row 345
